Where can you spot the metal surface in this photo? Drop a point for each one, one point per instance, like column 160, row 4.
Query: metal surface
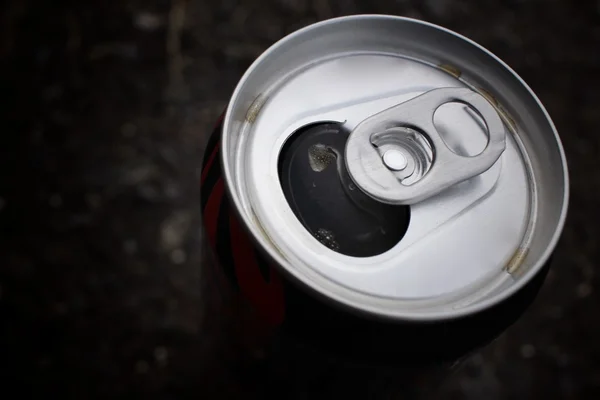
column 395, row 160
column 379, row 141
column 467, row 248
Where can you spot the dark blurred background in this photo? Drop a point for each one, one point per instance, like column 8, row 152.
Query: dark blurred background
column 106, row 110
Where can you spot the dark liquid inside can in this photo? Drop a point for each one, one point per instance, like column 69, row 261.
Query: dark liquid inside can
column 318, row 188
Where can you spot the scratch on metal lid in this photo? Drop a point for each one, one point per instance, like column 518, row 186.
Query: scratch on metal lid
column 265, row 235
column 501, row 110
column 507, row 118
column 452, row 70
column 255, row 108
column 489, row 97
column 516, row 260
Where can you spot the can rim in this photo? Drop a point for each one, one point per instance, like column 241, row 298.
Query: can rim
column 406, row 315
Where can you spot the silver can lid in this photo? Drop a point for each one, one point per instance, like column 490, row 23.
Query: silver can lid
column 436, row 124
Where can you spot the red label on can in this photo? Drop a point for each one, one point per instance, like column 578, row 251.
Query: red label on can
column 241, row 263
column 264, row 292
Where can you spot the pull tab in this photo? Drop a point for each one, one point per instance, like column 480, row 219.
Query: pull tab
column 398, row 157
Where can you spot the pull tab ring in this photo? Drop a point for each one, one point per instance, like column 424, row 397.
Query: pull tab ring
column 384, row 176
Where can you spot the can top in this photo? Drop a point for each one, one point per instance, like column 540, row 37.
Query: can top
column 395, row 167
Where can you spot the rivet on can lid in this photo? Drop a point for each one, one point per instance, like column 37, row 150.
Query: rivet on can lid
column 395, row 160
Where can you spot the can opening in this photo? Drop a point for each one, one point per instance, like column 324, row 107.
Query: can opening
column 320, row 192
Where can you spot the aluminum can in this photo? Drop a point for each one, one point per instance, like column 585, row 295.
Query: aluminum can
column 380, row 191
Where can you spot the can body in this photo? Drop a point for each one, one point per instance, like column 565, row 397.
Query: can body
column 268, row 315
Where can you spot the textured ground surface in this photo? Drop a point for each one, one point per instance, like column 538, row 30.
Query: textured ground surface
column 106, row 109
